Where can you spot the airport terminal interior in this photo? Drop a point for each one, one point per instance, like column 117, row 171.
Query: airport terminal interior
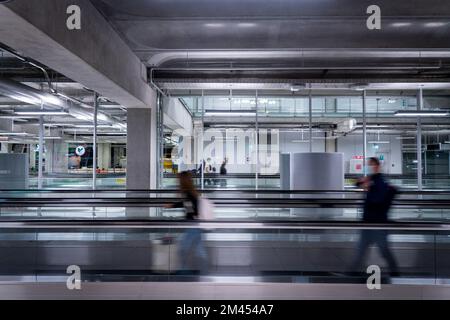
column 272, row 107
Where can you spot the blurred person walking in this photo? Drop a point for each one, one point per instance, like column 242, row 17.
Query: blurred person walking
column 191, row 240
column 378, row 200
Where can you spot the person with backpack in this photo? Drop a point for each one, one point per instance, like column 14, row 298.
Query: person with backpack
column 378, row 200
column 192, row 237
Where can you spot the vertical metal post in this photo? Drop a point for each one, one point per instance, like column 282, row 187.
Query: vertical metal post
column 94, row 144
column 158, row 144
column 202, row 143
column 41, row 151
column 364, row 131
column 256, row 140
column 310, row 121
column 419, row 140
column 161, row 139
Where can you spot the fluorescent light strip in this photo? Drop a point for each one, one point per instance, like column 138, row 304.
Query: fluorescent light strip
column 41, row 113
column 421, row 113
column 55, row 124
column 300, row 141
column 230, row 114
column 92, row 126
column 379, row 142
column 374, row 126
column 13, row 134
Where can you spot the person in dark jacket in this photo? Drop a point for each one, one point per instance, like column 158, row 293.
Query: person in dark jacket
column 223, row 169
column 378, row 200
column 192, row 237
column 223, row 172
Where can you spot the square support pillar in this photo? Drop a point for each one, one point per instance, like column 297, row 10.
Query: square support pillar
column 141, row 141
column 60, row 157
column 104, row 155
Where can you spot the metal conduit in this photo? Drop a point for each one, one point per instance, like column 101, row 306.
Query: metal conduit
column 18, row 91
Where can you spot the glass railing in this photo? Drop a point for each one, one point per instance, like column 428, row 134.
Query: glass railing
column 73, row 182
column 271, row 236
column 238, row 204
column 269, row 252
column 338, row 106
column 234, row 181
column 248, row 181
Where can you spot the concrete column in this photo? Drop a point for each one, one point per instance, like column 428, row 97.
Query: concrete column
column 141, row 155
column 60, row 158
column 197, row 141
column 139, row 149
column 330, row 144
column 49, row 147
column 32, row 154
column 4, row 147
column 154, row 146
column 364, row 131
column 104, row 155
column 419, row 140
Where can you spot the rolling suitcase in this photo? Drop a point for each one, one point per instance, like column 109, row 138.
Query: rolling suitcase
column 164, row 255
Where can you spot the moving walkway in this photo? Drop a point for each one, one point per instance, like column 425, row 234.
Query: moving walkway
column 291, row 236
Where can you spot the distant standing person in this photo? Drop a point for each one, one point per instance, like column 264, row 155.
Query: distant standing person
column 208, row 172
column 379, row 196
column 223, row 172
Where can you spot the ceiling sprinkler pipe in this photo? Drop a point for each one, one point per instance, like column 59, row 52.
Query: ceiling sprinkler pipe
column 154, row 84
column 431, row 67
column 24, row 60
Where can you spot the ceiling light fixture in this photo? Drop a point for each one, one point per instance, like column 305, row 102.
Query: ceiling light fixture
column 13, row 134
column 402, row 113
column 435, row 24
column 41, row 113
column 401, row 24
column 214, row 25
column 297, row 87
column 300, row 141
column 229, row 114
column 358, row 86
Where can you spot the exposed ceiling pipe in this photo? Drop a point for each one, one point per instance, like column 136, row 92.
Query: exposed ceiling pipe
column 24, row 60
column 432, row 67
column 154, row 85
column 75, row 108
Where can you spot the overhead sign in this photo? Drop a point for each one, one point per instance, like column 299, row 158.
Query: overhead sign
column 37, row 148
column 80, row 151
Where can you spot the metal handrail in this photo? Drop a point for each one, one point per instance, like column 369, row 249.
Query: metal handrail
column 272, row 202
column 262, row 191
column 218, row 224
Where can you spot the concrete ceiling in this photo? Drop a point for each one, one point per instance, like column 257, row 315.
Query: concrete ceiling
column 276, row 24
column 309, row 40
column 14, row 69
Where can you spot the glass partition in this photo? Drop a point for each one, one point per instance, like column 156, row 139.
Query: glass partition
column 280, row 124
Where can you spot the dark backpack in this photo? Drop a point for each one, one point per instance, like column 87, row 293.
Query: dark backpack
column 392, row 193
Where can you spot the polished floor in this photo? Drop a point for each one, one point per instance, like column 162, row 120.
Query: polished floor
column 226, row 291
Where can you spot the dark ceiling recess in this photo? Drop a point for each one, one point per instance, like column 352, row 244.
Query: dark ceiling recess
column 5, row 1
